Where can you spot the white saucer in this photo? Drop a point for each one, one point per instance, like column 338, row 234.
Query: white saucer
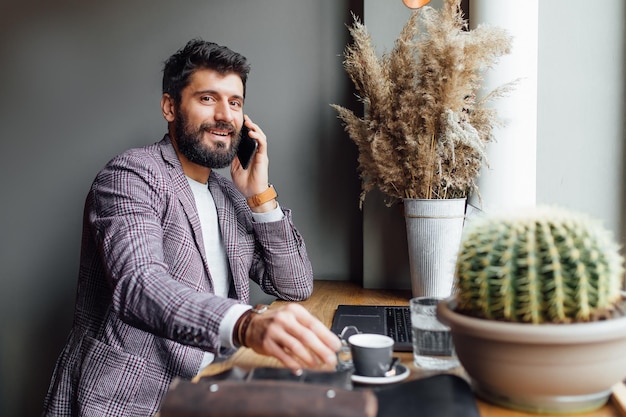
column 401, row 373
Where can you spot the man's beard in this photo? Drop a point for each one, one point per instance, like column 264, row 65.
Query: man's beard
column 189, row 141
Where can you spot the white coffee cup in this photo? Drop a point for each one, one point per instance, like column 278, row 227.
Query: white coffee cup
column 371, row 353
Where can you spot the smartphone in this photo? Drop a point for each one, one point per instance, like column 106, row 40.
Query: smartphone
column 247, row 148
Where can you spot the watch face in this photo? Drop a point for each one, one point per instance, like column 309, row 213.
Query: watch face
column 260, row 308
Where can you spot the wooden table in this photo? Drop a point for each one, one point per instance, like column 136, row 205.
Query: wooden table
column 327, row 295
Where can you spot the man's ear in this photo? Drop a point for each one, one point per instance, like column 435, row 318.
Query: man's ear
column 167, row 107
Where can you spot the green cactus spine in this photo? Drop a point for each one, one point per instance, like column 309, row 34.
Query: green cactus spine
column 542, row 265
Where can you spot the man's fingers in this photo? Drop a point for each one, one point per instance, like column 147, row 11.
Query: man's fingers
column 319, row 331
column 287, row 334
column 287, row 349
column 329, row 338
column 284, row 356
column 295, row 337
column 310, row 337
column 305, row 336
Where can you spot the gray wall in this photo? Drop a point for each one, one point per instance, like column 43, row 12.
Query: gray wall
column 80, row 82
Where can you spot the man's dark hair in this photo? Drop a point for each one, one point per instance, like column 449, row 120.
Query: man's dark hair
column 199, row 54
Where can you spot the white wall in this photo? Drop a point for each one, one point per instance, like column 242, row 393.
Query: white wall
column 582, row 108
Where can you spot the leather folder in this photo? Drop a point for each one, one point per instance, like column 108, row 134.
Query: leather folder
column 275, row 392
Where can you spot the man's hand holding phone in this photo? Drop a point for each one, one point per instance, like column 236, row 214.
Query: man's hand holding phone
column 250, row 171
column 247, row 147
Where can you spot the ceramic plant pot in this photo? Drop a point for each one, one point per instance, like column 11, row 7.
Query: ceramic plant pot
column 546, row 368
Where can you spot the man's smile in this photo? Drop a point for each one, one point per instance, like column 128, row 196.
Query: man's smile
column 220, row 135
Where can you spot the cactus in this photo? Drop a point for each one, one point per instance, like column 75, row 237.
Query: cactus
column 546, row 264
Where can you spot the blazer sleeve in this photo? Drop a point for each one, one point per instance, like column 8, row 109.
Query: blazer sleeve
column 131, row 213
column 281, row 266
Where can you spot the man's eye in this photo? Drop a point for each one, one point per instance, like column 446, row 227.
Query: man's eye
column 236, row 103
column 207, row 98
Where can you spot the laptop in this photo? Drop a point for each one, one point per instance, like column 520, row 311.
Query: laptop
column 394, row 321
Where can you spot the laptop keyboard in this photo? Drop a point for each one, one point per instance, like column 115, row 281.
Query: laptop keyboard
column 399, row 323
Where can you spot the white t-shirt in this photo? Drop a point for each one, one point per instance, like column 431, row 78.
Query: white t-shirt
column 212, row 238
column 217, row 258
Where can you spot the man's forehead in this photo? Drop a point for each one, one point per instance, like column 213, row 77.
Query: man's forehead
column 229, row 83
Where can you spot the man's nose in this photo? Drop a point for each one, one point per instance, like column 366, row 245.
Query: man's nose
column 223, row 112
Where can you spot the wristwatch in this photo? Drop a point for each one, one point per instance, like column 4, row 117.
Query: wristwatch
column 260, row 308
column 262, row 198
column 241, row 327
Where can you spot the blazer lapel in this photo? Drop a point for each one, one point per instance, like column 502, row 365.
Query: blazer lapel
column 186, row 199
column 228, row 226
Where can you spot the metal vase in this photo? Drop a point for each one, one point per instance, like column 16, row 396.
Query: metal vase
column 434, row 229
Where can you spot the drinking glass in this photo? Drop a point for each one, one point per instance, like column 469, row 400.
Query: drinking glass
column 432, row 341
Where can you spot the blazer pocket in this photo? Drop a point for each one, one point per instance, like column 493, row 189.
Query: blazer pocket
column 109, row 378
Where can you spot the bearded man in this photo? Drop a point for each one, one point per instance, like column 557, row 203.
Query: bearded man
column 169, row 246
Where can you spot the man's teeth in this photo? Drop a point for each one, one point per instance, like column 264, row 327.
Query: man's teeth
column 220, row 133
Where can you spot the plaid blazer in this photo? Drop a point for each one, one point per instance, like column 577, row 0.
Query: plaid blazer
column 145, row 311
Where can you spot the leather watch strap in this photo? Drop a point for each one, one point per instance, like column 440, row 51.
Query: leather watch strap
column 262, row 198
column 241, row 326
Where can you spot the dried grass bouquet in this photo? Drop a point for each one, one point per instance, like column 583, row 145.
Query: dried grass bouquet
column 425, row 132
